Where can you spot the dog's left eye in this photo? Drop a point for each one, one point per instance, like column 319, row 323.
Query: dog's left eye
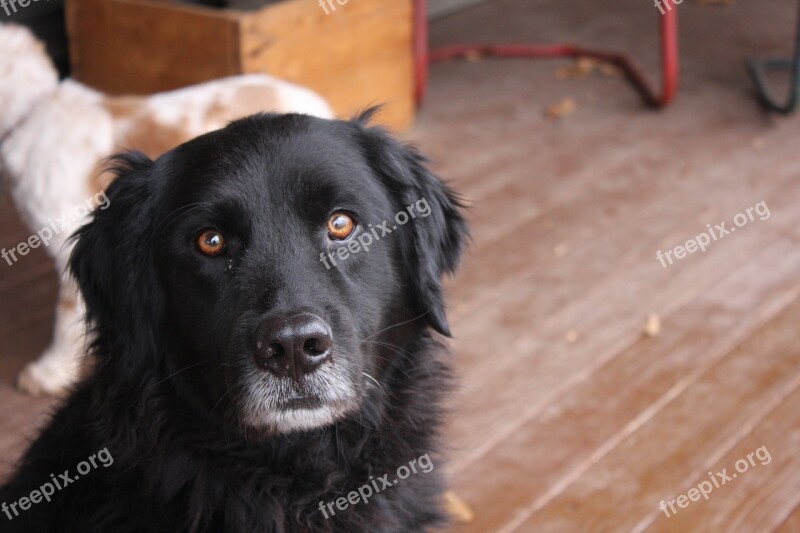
column 211, row 243
column 341, row 225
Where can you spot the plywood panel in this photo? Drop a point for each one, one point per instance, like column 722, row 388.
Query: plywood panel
column 357, row 56
column 132, row 47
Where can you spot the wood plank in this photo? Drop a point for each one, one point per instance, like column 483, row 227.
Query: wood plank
column 570, row 431
column 610, row 314
column 762, row 490
column 37, row 267
column 37, row 297
column 664, row 455
column 24, row 345
column 577, row 214
column 792, row 522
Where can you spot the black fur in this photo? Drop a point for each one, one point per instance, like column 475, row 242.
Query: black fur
column 163, row 396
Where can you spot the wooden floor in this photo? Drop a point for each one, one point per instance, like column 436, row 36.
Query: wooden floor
column 569, row 417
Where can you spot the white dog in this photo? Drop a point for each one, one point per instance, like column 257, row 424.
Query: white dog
column 54, row 138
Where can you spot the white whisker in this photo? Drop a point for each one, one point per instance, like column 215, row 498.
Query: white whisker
column 396, row 325
column 376, row 382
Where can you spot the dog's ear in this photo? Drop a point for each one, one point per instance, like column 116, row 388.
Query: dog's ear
column 436, row 237
column 112, row 263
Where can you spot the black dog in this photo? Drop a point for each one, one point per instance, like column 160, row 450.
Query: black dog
column 250, row 376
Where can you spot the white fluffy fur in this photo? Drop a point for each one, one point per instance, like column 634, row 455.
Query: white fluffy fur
column 55, row 135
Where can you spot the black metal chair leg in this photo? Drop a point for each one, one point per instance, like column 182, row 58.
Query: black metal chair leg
column 758, row 68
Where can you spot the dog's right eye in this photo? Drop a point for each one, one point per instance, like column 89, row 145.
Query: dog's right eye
column 211, row 243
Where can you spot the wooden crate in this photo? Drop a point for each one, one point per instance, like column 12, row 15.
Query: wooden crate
column 356, row 56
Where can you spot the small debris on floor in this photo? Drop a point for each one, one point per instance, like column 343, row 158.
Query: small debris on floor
column 580, row 69
column 608, row 69
column 653, row 325
column 562, row 108
column 571, row 336
column 459, row 510
column 584, row 66
column 473, row 56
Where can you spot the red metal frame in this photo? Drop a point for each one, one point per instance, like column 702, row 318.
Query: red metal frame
column 669, row 56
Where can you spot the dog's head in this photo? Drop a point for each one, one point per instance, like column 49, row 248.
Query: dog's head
column 271, row 270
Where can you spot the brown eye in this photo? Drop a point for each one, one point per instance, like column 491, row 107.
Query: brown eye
column 211, row 243
column 341, row 226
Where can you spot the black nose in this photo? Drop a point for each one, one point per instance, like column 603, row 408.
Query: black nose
column 292, row 345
